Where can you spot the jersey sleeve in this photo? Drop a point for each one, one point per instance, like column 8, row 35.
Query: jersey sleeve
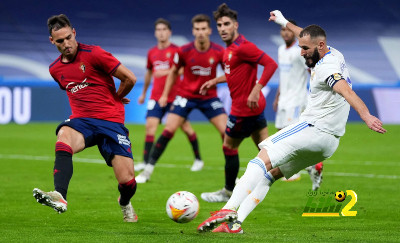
column 105, row 60
column 250, row 52
column 149, row 63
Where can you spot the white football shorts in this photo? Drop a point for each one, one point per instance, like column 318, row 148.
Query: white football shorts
column 299, row 146
column 288, row 116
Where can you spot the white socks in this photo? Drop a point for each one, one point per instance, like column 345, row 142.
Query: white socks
column 256, row 177
column 253, row 199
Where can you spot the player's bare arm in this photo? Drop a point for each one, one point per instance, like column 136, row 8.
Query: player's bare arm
column 171, row 78
column 275, row 104
column 211, row 83
column 147, row 80
column 277, row 17
column 355, row 101
column 128, row 80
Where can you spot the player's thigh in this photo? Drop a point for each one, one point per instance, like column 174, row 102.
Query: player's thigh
column 71, row 137
column 151, row 125
column 123, row 168
column 232, row 143
column 173, row 122
column 220, row 122
column 259, row 135
column 187, row 127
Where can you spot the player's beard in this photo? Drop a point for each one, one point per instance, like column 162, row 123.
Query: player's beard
column 312, row 61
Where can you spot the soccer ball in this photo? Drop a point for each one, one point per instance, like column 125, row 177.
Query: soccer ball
column 340, row 196
column 182, row 206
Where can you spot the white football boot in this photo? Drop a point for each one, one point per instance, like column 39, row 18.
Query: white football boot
column 222, row 195
column 52, row 199
column 197, row 165
column 146, row 174
column 129, row 213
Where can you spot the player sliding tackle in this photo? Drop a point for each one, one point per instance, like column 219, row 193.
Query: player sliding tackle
column 314, row 138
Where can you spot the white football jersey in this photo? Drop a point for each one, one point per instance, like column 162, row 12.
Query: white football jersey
column 326, row 109
column 293, row 77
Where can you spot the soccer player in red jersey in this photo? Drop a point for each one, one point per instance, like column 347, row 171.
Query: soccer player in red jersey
column 246, row 118
column 200, row 59
column 159, row 62
column 86, row 73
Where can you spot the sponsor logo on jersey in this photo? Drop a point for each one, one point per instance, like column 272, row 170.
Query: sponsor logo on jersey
column 201, row 71
column 74, row 87
column 82, row 67
column 160, row 65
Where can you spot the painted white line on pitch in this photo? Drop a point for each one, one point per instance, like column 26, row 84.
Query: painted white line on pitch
column 207, row 167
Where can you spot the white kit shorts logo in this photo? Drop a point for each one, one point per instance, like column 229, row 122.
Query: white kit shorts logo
column 201, row 71
column 123, row 140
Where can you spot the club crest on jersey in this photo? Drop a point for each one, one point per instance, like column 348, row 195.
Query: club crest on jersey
column 211, row 61
column 229, row 56
column 168, row 54
column 83, row 67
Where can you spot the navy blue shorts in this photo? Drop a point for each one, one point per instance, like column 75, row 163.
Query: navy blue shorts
column 110, row 137
column 243, row 127
column 155, row 110
column 210, row 108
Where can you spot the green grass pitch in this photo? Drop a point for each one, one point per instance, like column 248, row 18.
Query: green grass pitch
column 365, row 162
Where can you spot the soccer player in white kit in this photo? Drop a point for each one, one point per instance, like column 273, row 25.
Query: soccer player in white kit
column 291, row 96
column 314, row 138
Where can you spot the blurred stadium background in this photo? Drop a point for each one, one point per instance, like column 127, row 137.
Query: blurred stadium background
column 366, row 32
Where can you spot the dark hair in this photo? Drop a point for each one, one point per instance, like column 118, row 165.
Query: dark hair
column 162, row 21
column 57, row 22
column 201, row 18
column 313, row 31
column 224, row 11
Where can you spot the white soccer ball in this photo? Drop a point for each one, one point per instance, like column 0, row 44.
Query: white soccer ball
column 182, row 206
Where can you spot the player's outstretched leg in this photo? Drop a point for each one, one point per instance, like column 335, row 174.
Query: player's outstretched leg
column 52, row 199
column 315, row 173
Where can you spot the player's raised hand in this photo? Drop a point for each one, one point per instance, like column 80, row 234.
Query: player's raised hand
column 278, row 18
column 374, row 124
column 163, row 101
column 206, row 86
column 125, row 101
